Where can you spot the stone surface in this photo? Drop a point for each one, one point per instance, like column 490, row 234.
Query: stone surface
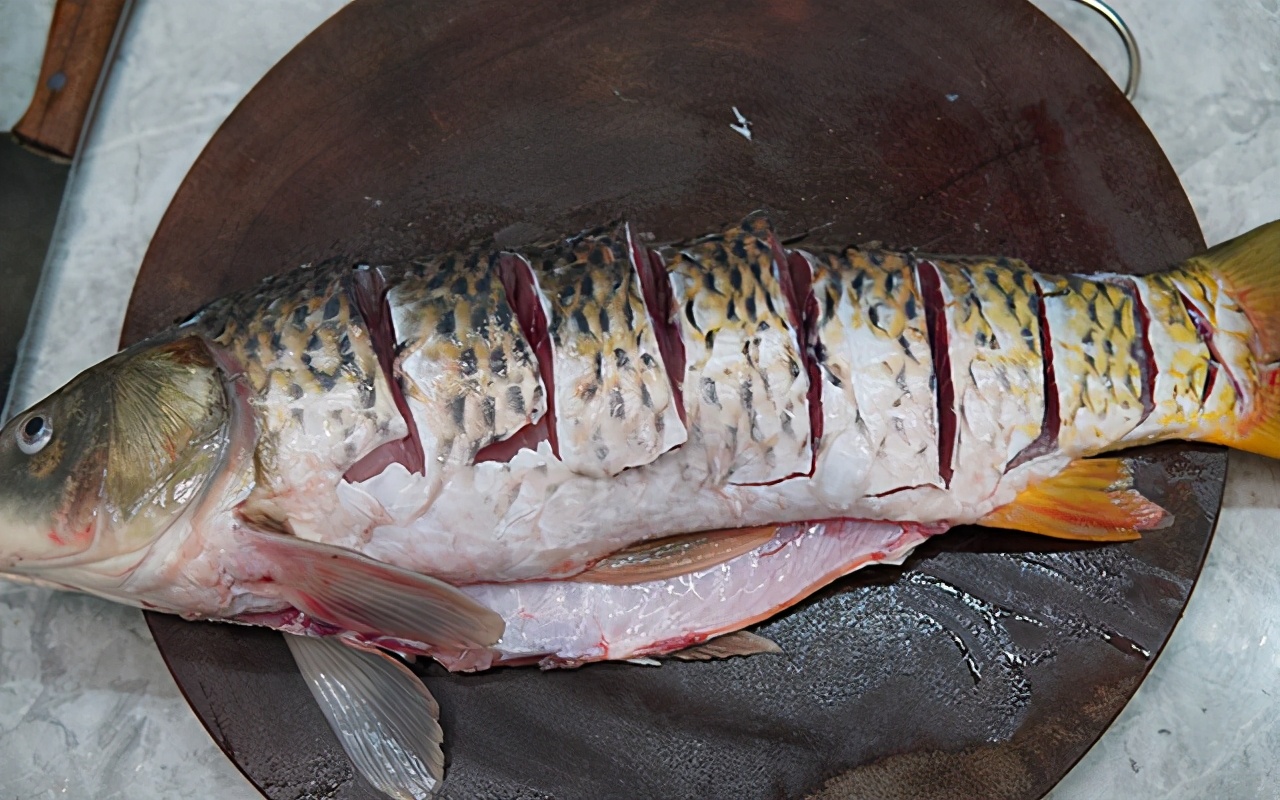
column 23, row 26
column 86, row 706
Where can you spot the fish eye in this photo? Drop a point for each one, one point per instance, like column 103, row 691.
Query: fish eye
column 34, row 434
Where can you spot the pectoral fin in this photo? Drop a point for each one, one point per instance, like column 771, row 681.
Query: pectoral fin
column 1092, row 500
column 671, row 556
column 384, row 717
column 357, row 593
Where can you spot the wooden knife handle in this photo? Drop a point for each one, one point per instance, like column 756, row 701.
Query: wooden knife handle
column 80, row 40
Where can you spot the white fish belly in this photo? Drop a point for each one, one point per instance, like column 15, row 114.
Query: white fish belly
column 571, row 622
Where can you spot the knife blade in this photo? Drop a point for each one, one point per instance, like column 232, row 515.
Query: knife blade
column 38, row 158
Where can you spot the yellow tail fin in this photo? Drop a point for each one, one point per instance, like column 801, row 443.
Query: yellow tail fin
column 1248, row 267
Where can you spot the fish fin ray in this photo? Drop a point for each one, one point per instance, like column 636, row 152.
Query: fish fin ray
column 357, row 593
column 384, row 717
column 672, row 556
column 1092, row 500
column 738, row 643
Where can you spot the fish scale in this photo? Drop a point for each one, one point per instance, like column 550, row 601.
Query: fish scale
column 1094, row 332
column 877, row 395
column 745, row 382
column 469, row 374
column 615, row 407
column 1180, row 359
column 1229, row 337
column 996, row 367
column 308, row 356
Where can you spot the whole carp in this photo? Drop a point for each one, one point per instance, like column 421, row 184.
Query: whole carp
column 597, row 448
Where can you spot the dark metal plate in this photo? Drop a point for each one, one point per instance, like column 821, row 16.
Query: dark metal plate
column 983, row 668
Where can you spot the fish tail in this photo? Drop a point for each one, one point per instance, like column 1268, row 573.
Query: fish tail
column 1247, row 269
column 1259, row 432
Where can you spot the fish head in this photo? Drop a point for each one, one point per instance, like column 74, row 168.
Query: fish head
column 93, row 475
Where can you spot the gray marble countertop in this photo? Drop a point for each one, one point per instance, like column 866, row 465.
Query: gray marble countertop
column 87, row 708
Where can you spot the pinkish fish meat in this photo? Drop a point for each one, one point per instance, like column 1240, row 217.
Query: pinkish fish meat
column 598, row 449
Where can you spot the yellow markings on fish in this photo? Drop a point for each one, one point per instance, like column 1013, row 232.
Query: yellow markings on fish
column 1180, row 360
column 1228, row 338
column 1094, row 335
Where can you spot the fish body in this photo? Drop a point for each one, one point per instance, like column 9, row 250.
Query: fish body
column 597, row 449
column 913, row 389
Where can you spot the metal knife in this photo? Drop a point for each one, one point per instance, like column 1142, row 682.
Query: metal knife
column 38, row 157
